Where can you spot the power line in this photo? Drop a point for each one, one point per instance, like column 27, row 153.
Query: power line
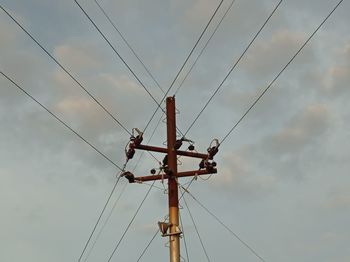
column 234, row 66
column 184, row 237
column 124, row 62
column 110, row 214
column 99, row 218
column 131, row 221
column 105, row 222
column 183, row 65
column 129, row 46
column 82, row 138
column 148, row 244
column 197, row 231
column 65, row 70
column 225, row 226
column 61, row 121
column 282, row 70
column 205, row 46
column 157, row 231
column 117, row 53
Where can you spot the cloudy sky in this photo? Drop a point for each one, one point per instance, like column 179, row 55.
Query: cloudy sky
column 283, row 180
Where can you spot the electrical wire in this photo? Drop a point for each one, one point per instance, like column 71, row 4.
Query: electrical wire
column 92, row 146
column 149, row 140
column 205, row 46
column 148, row 244
column 65, row 70
column 101, row 214
column 61, row 121
column 124, row 62
column 131, row 221
column 225, row 226
column 99, row 218
column 105, row 222
column 196, row 228
column 117, row 53
column 128, row 45
column 157, row 232
column 282, row 70
column 233, row 67
column 184, row 237
column 183, row 65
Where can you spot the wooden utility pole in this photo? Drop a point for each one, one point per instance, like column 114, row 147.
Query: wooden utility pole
column 206, row 166
column 172, row 182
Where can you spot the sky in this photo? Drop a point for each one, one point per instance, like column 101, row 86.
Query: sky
column 283, row 174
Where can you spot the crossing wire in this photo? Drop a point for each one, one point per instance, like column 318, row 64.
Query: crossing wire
column 147, row 246
column 60, row 120
column 131, row 221
column 123, row 60
column 234, row 66
column 280, row 72
column 99, row 218
column 184, row 237
column 105, row 222
column 196, row 228
column 128, row 45
column 225, row 226
column 205, row 46
column 65, row 70
column 183, row 65
column 117, row 53
column 157, row 231
column 110, row 213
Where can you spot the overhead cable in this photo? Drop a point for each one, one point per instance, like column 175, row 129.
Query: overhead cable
column 184, row 237
column 280, row 72
column 105, row 222
column 196, row 228
column 65, row 70
column 183, row 65
column 61, row 121
column 131, row 221
column 233, row 67
column 225, row 226
column 157, row 231
column 205, row 46
column 128, row 45
column 117, row 53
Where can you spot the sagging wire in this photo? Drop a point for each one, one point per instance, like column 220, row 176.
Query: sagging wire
column 196, row 229
column 224, row 225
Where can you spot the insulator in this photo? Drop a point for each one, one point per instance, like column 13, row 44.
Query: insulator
column 202, row 164
column 191, row 147
column 212, row 151
column 129, row 176
column 213, row 164
column 153, row 171
column 178, row 144
column 165, row 160
column 209, row 166
column 138, row 140
column 130, row 153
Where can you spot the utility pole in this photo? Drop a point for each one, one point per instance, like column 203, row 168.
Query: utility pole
column 172, row 182
column 169, row 172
